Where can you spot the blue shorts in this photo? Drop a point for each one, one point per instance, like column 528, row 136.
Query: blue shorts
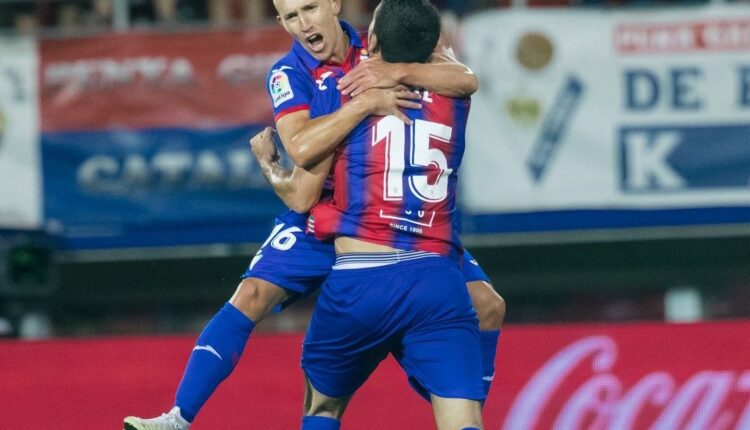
column 471, row 270
column 299, row 263
column 417, row 310
column 292, row 259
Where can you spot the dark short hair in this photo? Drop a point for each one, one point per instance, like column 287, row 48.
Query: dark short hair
column 407, row 30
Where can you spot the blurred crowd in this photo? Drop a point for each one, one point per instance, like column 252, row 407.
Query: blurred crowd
column 27, row 16
column 75, row 16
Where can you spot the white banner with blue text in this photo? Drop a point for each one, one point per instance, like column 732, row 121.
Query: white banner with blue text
column 603, row 111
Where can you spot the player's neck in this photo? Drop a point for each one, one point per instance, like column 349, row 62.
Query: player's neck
column 349, row 245
column 340, row 48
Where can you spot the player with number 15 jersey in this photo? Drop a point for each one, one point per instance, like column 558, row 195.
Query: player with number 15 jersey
column 395, row 184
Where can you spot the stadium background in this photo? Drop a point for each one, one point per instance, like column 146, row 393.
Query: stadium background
column 605, row 192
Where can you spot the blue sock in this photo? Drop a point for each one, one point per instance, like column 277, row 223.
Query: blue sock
column 489, row 340
column 216, row 352
column 469, row 428
column 320, row 423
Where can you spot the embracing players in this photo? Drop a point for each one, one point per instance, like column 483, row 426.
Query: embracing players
column 291, row 264
column 396, row 287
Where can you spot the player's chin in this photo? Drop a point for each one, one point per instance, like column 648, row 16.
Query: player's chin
column 322, row 56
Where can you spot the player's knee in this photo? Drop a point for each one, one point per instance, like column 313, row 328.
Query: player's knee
column 491, row 312
column 256, row 298
column 454, row 413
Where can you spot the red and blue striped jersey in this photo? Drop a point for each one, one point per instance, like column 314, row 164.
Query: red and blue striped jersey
column 299, row 81
column 396, row 184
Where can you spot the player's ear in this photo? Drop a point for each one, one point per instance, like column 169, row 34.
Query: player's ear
column 278, row 16
column 336, row 6
column 372, row 44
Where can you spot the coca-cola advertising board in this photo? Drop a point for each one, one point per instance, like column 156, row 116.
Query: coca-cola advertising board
column 640, row 376
column 565, row 377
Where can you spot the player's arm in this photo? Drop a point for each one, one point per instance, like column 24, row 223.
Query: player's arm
column 443, row 75
column 298, row 188
column 309, row 141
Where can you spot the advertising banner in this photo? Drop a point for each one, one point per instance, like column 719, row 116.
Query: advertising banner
column 640, row 376
column 158, row 187
column 20, row 169
column 609, row 377
column 612, row 113
column 145, row 137
column 152, row 80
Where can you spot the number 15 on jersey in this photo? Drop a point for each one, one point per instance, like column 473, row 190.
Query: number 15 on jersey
column 392, row 132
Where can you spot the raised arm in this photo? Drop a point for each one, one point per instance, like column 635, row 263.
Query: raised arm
column 309, row 141
column 444, row 75
column 298, row 188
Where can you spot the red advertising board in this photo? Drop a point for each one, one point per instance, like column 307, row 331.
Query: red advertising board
column 644, row 376
column 141, row 80
column 683, row 36
column 639, row 376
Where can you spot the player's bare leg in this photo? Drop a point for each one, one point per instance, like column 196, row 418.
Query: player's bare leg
column 256, row 298
column 456, row 414
column 321, row 411
column 489, row 305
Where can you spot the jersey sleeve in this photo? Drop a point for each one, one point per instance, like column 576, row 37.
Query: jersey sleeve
column 289, row 90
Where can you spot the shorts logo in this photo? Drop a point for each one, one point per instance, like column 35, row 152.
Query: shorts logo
column 281, row 89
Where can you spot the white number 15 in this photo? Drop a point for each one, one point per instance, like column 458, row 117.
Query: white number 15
column 392, row 131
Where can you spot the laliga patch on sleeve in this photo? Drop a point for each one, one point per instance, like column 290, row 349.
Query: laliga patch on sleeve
column 281, row 89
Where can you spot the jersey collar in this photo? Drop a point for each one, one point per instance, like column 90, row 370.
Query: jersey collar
column 311, row 62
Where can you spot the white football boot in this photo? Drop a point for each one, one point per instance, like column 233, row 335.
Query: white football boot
column 169, row 421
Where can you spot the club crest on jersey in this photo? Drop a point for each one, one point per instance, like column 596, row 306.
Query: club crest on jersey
column 364, row 55
column 281, row 89
column 321, row 82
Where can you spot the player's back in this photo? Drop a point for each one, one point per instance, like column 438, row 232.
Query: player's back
column 395, row 184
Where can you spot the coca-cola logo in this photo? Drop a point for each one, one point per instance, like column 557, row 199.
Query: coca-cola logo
column 600, row 400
